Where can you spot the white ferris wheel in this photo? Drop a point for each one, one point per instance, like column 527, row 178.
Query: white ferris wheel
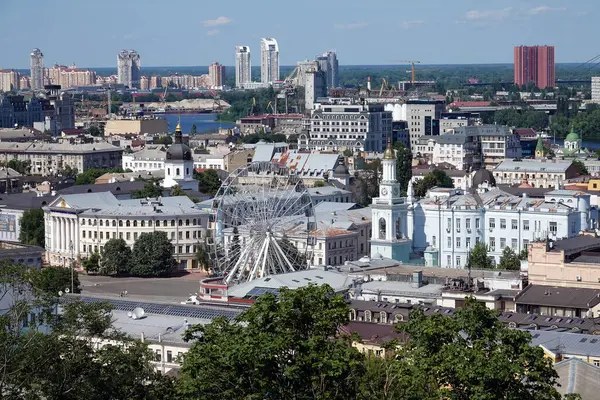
column 264, row 223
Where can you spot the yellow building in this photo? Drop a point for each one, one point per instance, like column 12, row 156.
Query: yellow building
column 149, row 126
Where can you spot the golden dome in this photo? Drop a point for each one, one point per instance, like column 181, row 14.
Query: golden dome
column 178, row 127
column 389, row 152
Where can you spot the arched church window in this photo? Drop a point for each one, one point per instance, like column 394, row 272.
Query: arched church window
column 399, row 228
column 382, row 228
column 177, row 172
column 187, row 171
column 168, row 171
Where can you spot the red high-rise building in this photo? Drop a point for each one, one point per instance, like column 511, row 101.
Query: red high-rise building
column 534, row 64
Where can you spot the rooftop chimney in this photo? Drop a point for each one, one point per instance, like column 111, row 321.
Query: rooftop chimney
column 417, row 279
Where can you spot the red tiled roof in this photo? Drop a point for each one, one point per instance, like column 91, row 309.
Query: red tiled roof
column 469, row 104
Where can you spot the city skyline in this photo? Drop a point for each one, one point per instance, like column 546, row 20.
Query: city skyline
column 419, row 32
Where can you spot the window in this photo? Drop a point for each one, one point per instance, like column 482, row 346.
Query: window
column 135, row 236
column 493, row 244
column 468, row 223
column 101, row 235
column 383, row 317
column 492, row 223
column 169, row 356
column 449, row 260
column 457, row 224
column 525, row 224
column 368, row 315
column 128, row 236
column 449, row 223
column 157, row 356
column 382, row 228
column 120, row 223
column 502, row 243
column 449, row 242
column 476, row 223
column 502, row 223
column 83, row 234
column 172, row 222
column 573, row 227
column 433, row 241
column 514, row 224
column 127, row 223
column 553, row 228
column 458, row 261
column 458, row 242
column 468, row 242
column 514, row 243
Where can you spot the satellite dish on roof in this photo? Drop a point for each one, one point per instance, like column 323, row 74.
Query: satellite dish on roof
column 138, row 313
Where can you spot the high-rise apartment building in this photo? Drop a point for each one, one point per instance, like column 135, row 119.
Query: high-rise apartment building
column 37, row 69
column 128, row 68
column 315, row 86
column 144, row 83
column 216, row 73
column 243, row 65
column 534, row 64
column 9, row 80
column 68, row 77
column 269, row 60
column 596, row 89
column 328, row 63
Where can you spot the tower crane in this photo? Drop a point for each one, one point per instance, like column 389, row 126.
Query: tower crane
column 412, row 63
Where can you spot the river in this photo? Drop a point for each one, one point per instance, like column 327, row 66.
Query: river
column 205, row 123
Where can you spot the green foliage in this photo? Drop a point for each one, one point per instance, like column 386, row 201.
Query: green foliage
column 194, row 129
column 202, row 256
column 280, row 348
column 436, row 178
column 22, row 167
column 91, row 265
column 116, row 257
column 32, row 227
column 164, row 140
column 68, row 172
column 63, row 362
column 580, row 166
column 509, row 260
column 403, row 166
column 513, row 117
column 348, row 153
column 247, row 102
column 478, row 257
column 151, row 189
column 94, row 131
column 472, row 355
column 256, row 137
column 52, row 280
column 209, row 181
column 319, row 184
column 152, row 255
column 90, row 175
column 524, row 254
column 177, row 191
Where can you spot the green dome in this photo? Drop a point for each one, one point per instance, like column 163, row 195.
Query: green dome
column 572, row 137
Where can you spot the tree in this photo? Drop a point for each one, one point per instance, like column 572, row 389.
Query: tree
column 403, row 166
column 164, row 140
column 32, row 227
column 73, row 367
column 177, row 191
column 319, row 184
column 52, row 280
column 151, row 189
column 280, row 348
column 152, row 255
column 202, row 256
column 90, row 175
column 580, row 166
column 478, row 257
column 116, row 257
column 194, row 129
column 436, row 178
column 509, row 260
column 22, row 167
column 472, row 355
column 348, row 153
column 91, row 265
column 209, row 182
column 94, row 131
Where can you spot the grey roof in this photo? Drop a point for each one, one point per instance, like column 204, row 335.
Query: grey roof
column 8, row 173
column 483, row 176
column 567, row 343
column 449, row 138
column 576, row 244
column 398, row 287
column 563, row 192
column 293, row 280
column 578, row 376
column 53, row 148
column 554, row 296
column 116, row 188
column 531, row 192
column 331, row 206
column 167, row 206
column 84, row 201
column 11, row 133
column 263, row 152
column 326, row 191
column 532, row 166
column 24, row 201
column 150, row 153
column 452, row 173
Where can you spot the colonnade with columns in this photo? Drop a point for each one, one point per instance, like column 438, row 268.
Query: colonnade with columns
column 64, row 237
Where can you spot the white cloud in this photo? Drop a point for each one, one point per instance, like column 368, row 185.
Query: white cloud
column 411, row 24
column 217, row 22
column 355, row 25
column 212, row 32
column 545, row 9
column 486, row 15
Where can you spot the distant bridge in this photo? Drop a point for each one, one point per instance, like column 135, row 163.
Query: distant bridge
column 557, row 82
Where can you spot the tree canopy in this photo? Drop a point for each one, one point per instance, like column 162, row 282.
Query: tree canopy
column 90, row 175
column 403, row 166
column 52, row 280
column 509, row 260
column 152, row 255
column 116, row 258
column 32, row 227
column 478, row 257
column 151, row 189
column 209, row 181
column 436, row 178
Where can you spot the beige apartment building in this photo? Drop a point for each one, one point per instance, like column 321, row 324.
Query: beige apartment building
column 157, row 126
column 573, row 263
column 51, row 158
column 9, row 80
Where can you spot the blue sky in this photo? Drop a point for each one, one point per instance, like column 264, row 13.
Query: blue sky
column 197, row 32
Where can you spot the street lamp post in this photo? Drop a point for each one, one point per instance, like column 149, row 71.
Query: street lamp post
column 72, row 267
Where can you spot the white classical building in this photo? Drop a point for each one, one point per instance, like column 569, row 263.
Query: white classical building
column 80, row 224
column 179, row 165
column 449, row 222
column 151, row 158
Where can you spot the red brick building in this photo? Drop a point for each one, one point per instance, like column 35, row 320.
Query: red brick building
column 534, row 64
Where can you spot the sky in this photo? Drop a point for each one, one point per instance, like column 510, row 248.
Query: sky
column 198, row 32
